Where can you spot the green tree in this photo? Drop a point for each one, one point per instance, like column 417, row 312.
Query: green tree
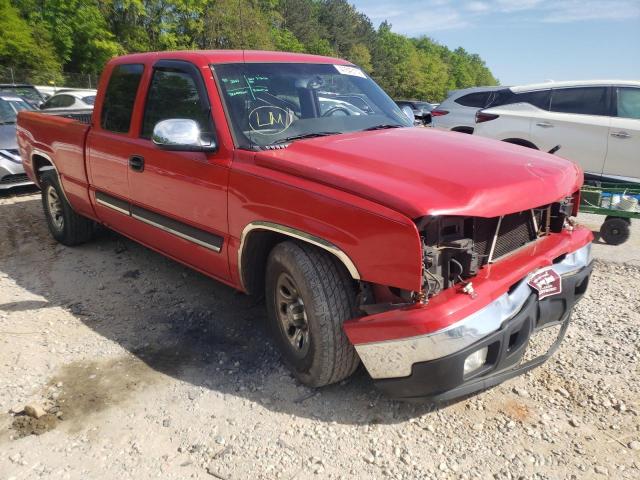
column 26, row 49
column 396, row 64
column 286, row 41
column 78, row 31
column 361, row 56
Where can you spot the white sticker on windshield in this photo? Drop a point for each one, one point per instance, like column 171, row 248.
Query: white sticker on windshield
column 346, row 70
column 11, row 99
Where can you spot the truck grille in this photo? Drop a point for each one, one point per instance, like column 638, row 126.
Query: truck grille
column 509, row 233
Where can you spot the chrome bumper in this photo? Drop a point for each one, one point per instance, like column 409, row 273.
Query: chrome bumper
column 395, row 358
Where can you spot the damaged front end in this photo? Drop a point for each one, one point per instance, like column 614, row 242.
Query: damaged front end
column 455, row 248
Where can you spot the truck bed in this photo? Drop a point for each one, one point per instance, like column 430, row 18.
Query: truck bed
column 58, row 138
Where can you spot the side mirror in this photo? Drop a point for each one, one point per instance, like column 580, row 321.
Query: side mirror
column 181, row 134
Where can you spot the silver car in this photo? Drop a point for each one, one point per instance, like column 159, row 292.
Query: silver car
column 458, row 111
column 11, row 171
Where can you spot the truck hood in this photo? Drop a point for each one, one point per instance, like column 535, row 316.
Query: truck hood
column 421, row 171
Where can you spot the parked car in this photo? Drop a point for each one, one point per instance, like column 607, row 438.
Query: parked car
column 70, row 100
column 457, row 112
column 432, row 261
column 421, row 111
column 26, row 91
column 11, row 170
column 47, row 91
column 595, row 123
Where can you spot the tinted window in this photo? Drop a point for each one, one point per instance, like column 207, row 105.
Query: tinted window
column 538, row 98
column 120, row 97
column 476, row 100
column 90, row 100
column 173, row 94
column 64, row 101
column 58, row 101
column 500, row 97
column 629, row 102
column 586, row 101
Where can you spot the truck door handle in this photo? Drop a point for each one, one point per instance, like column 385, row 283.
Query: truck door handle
column 544, row 124
column 620, row 134
column 136, row 163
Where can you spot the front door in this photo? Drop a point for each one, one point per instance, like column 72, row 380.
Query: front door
column 179, row 198
column 623, row 154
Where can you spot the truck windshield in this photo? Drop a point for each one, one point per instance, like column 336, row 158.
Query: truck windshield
column 272, row 103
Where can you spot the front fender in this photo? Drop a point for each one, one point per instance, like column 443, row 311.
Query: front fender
column 376, row 244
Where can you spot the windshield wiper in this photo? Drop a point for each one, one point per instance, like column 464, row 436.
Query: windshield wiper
column 304, row 135
column 8, row 122
column 382, row 126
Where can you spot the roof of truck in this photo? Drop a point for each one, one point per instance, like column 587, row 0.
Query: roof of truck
column 230, row 56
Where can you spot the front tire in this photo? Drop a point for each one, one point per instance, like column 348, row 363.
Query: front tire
column 65, row 225
column 308, row 297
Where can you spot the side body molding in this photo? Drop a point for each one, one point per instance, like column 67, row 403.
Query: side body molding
column 300, row 235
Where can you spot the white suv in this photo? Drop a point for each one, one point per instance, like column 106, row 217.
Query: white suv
column 595, row 123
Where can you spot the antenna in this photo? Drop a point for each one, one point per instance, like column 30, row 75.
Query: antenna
column 241, row 16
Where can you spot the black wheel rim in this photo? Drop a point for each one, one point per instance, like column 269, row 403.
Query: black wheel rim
column 292, row 315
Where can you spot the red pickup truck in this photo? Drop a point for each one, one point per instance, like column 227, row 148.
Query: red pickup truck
column 430, row 257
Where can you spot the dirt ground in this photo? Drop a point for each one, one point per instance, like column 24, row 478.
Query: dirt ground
column 149, row 370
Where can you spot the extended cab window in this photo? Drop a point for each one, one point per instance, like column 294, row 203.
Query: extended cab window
column 583, row 100
column 120, row 97
column 475, row 100
column 629, row 102
column 174, row 94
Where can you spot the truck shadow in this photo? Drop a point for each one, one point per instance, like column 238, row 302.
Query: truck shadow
column 178, row 322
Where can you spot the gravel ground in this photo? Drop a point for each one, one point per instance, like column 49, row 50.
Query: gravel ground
column 149, row 370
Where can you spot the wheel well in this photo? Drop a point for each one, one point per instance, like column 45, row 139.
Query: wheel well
column 468, row 130
column 521, row 142
column 255, row 252
column 39, row 163
column 256, row 248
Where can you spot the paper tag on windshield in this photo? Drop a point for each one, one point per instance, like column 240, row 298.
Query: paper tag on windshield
column 11, row 99
column 546, row 282
column 346, row 70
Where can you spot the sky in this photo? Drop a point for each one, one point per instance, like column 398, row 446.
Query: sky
column 527, row 41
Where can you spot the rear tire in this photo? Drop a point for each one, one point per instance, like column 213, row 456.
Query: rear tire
column 309, row 295
column 615, row 230
column 65, row 225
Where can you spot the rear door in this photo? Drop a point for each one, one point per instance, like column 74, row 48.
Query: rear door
column 110, row 143
column 578, row 120
column 623, row 153
column 179, row 198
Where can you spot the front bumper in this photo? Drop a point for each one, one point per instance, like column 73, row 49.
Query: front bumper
column 12, row 173
column 431, row 366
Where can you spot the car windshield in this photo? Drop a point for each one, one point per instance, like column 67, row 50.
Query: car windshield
column 272, row 103
column 90, row 100
column 28, row 93
column 9, row 108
